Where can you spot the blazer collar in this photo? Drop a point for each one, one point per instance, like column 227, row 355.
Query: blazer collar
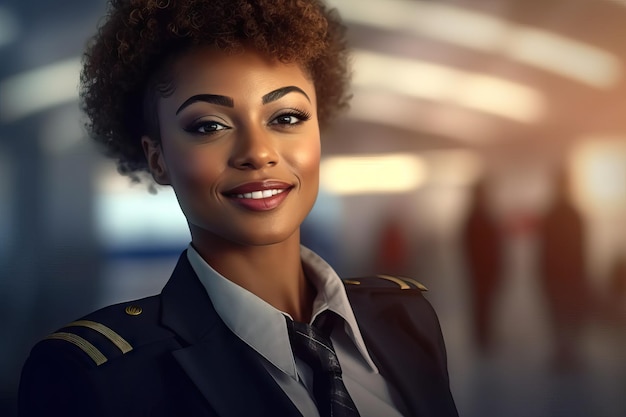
column 225, row 369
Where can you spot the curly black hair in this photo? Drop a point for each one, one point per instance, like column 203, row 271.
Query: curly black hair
column 127, row 63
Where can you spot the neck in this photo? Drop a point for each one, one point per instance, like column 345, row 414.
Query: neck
column 273, row 273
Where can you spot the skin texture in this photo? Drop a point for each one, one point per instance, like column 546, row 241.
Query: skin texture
column 247, row 136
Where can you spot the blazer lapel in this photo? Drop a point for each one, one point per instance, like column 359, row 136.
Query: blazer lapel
column 226, row 370
column 404, row 338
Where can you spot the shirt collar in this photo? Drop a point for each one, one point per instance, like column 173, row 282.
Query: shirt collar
column 331, row 295
column 267, row 333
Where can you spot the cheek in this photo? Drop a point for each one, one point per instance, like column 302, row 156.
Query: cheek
column 307, row 160
column 191, row 168
column 195, row 182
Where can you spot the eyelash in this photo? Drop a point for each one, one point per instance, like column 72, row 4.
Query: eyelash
column 300, row 115
column 195, row 127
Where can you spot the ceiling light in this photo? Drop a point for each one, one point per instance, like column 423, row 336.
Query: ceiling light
column 599, row 169
column 447, row 23
column 563, row 56
column 541, row 49
column 479, row 92
column 359, row 174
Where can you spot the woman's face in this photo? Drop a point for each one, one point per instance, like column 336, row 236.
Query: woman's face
column 240, row 145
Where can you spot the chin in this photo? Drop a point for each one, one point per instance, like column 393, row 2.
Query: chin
column 268, row 239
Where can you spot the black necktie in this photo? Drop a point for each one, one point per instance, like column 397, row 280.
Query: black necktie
column 312, row 344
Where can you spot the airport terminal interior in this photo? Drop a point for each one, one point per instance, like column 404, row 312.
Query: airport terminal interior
column 483, row 155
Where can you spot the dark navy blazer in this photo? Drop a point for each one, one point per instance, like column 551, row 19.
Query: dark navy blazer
column 172, row 355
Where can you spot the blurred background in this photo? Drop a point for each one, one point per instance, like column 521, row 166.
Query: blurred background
column 484, row 155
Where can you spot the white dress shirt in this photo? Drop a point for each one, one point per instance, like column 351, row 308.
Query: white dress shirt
column 264, row 329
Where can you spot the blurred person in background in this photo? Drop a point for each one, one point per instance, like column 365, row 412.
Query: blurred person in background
column 617, row 290
column 222, row 100
column 563, row 273
column 393, row 249
column 482, row 242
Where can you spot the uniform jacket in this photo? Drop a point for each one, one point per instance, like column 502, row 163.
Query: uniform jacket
column 172, row 355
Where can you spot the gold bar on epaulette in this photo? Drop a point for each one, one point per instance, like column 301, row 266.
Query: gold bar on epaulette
column 81, row 343
column 403, row 285
column 417, row 284
column 115, row 338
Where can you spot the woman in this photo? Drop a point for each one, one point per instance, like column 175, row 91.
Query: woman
column 222, row 100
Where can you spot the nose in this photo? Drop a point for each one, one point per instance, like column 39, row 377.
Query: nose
column 254, row 149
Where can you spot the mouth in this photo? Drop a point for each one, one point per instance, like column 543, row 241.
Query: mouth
column 259, row 196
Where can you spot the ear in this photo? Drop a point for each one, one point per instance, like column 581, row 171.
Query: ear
column 156, row 160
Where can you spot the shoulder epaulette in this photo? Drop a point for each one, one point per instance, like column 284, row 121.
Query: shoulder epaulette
column 386, row 281
column 74, row 334
column 99, row 341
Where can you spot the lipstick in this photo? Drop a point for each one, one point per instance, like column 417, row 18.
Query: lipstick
column 259, row 196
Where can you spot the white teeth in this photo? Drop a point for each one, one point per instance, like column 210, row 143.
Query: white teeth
column 255, row 195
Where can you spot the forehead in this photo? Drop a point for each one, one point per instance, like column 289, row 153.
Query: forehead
column 206, row 68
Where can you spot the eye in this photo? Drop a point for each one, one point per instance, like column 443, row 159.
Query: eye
column 291, row 118
column 287, row 119
column 206, row 127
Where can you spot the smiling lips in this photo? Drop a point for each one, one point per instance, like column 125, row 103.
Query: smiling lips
column 259, row 196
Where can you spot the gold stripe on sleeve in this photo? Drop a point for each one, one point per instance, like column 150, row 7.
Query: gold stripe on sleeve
column 417, row 284
column 403, row 285
column 115, row 338
column 84, row 345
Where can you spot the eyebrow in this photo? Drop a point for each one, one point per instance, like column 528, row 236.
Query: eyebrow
column 208, row 98
column 276, row 94
column 229, row 102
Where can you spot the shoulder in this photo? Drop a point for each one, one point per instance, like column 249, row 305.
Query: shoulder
column 390, row 308
column 108, row 334
column 384, row 283
column 70, row 368
column 379, row 299
column 377, row 293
